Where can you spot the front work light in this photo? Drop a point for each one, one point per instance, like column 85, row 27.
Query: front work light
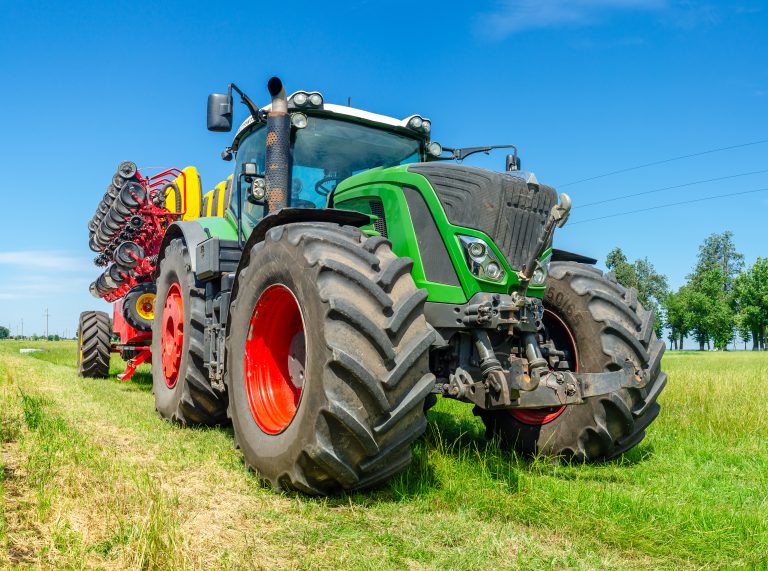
column 481, row 260
column 541, row 272
column 299, row 120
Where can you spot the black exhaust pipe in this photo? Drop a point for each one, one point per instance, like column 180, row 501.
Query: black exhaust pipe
column 278, row 156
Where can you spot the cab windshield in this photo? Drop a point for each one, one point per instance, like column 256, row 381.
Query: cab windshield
column 325, row 152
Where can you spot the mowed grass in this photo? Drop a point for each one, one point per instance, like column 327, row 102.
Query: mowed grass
column 91, row 478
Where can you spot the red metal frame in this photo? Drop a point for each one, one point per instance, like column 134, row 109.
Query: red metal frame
column 144, row 354
column 129, row 338
column 150, row 237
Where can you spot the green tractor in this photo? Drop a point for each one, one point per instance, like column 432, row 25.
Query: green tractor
column 357, row 274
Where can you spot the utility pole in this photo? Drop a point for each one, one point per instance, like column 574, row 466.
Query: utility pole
column 22, row 328
column 46, row 323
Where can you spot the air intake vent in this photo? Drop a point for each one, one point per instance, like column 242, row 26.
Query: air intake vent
column 377, row 208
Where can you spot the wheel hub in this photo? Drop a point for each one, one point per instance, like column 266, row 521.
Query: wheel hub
column 172, row 335
column 145, row 306
column 275, row 359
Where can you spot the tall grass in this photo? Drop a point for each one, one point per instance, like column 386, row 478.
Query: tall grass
column 106, row 483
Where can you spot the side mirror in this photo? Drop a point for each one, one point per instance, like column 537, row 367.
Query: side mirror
column 513, row 163
column 220, row 112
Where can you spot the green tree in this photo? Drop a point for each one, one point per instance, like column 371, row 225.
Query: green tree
column 677, row 308
column 718, row 251
column 652, row 288
column 742, row 326
column 750, row 291
column 710, row 308
column 4, row 332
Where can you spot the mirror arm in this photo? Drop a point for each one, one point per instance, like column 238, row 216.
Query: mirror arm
column 461, row 154
column 252, row 107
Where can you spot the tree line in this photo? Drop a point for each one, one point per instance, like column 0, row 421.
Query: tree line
column 722, row 301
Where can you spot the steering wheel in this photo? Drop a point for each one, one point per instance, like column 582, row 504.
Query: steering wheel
column 322, row 186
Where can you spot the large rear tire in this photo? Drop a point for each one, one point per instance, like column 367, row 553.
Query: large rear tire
column 95, row 344
column 608, row 326
column 180, row 382
column 327, row 359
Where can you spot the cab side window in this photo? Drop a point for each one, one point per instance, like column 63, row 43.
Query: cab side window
column 252, row 149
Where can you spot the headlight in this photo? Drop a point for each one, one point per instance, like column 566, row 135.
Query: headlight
column 493, row 271
column 315, row 99
column 300, row 99
column 481, row 260
column 476, row 250
column 541, row 272
column 435, row 149
column 415, row 122
column 299, row 120
column 426, row 126
column 259, row 188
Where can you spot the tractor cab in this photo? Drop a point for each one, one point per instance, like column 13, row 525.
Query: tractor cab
column 327, row 146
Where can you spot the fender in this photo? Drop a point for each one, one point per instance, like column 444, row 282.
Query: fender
column 293, row 215
column 194, row 232
column 563, row 256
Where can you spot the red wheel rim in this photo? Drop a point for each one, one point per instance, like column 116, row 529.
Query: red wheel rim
column 274, row 359
column 540, row 416
column 172, row 335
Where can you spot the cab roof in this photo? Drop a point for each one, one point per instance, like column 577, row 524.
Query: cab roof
column 331, row 109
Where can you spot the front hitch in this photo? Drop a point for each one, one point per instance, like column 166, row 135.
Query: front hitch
column 555, row 388
column 559, row 388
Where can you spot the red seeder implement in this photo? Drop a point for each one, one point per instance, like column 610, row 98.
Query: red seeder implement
column 127, row 231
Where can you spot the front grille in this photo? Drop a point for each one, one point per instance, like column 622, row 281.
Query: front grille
column 377, row 208
column 498, row 204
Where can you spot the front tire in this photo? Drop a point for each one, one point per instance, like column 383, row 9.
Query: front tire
column 608, row 326
column 327, row 359
column 180, row 383
column 95, row 344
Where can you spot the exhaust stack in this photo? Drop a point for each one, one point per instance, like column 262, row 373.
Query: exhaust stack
column 278, row 155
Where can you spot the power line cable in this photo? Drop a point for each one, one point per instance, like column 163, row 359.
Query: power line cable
column 669, row 205
column 661, row 162
column 670, row 188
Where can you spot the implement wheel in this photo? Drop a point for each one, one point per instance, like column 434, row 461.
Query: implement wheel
column 598, row 324
column 139, row 306
column 327, row 367
column 180, row 382
column 95, row 344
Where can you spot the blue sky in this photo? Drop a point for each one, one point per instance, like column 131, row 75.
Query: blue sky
column 583, row 87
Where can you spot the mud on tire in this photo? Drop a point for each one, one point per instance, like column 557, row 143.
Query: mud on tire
column 95, row 344
column 609, row 326
column 366, row 345
column 190, row 399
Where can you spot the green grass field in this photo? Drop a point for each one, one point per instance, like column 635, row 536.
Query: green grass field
column 91, row 478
